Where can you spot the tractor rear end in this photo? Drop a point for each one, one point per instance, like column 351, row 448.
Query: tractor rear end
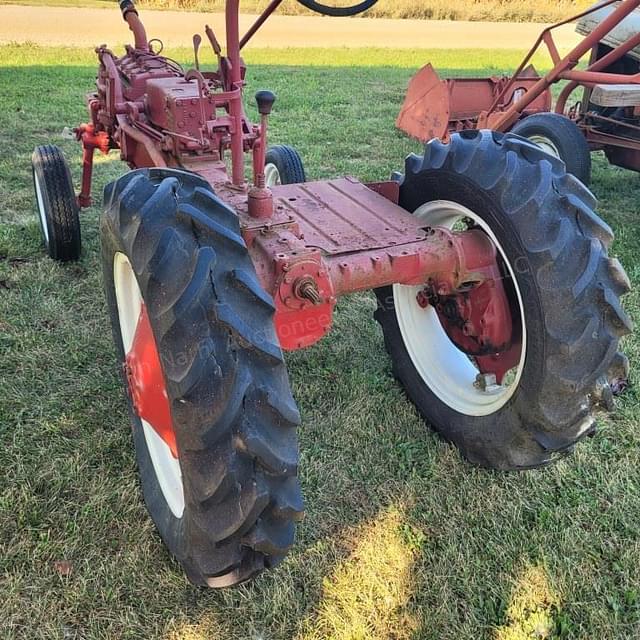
column 499, row 304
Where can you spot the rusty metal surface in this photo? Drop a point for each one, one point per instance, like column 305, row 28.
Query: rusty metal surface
column 309, row 243
column 471, row 96
column 426, row 109
column 342, row 216
column 389, row 189
column 434, row 108
column 564, row 68
column 626, row 158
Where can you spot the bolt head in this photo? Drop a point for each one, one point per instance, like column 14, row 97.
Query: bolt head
column 423, row 299
column 468, row 330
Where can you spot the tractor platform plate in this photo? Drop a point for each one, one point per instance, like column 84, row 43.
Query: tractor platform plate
column 340, row 216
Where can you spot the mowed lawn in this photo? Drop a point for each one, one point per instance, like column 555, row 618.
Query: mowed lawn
column 402, row 539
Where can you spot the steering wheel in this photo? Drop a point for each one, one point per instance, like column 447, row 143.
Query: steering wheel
column 338, row 11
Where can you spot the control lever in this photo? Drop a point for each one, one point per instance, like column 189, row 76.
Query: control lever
column 260, row 196
column 197, row 41
column 217, row 49
column 265, row 100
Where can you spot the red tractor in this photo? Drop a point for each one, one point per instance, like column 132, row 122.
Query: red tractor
column 499, row 304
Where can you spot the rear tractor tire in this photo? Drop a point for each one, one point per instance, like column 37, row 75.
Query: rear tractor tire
column 564, row 292
column 56, row 204
column 219, row 464
column 561, row 137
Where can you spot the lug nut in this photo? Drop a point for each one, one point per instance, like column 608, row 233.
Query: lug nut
column 488, row 383
column 423, row 299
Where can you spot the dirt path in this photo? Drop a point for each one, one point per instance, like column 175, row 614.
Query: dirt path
column 85, row 27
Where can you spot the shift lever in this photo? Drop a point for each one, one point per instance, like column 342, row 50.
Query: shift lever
column 260, row 197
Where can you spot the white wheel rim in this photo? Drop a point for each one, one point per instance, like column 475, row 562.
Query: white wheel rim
column 41, row 208
column 447, row 371
column 166, row 467
column 546, row 145
column 272, row 175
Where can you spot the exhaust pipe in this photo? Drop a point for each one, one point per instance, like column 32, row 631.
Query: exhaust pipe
column 131, row 17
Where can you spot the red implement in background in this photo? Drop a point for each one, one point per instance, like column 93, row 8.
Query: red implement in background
column 435, row 108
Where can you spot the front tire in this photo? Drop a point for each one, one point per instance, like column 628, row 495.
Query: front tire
column 56, row 204
column 227, row 506
column 283, row 165
column 568, row 291
column 561, row 137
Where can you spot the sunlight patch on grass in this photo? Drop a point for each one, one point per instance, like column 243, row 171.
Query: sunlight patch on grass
column 367, row 596
column 208, row 627
column 534, row 604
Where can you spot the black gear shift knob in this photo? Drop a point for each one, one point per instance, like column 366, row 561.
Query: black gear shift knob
column 126, row 6
column 265, row 100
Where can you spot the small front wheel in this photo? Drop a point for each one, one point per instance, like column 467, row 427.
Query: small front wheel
column 283, row 166
column 518, row 405
column 56, row 204
column 560, row 137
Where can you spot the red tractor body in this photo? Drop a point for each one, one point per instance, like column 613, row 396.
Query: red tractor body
column 310, row 243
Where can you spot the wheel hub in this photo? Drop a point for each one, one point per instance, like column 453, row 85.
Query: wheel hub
column 475, row 314
column 467, row 339
column 477, row 318
column 546, row 145
column 474, row 318
column 146, row 382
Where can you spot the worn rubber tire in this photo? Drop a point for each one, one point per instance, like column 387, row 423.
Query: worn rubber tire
column 544, row 220
column 234, row 416
column 59, row 206
column 326, row 10
column 565, row 135
column 288, row 162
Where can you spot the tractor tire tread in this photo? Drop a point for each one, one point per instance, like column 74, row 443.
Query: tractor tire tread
column 570, row 265
column 238, row 453
column 51, row 168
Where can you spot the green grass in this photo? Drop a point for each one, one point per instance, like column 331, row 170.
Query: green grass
column 497, row 10
column 402, row 538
